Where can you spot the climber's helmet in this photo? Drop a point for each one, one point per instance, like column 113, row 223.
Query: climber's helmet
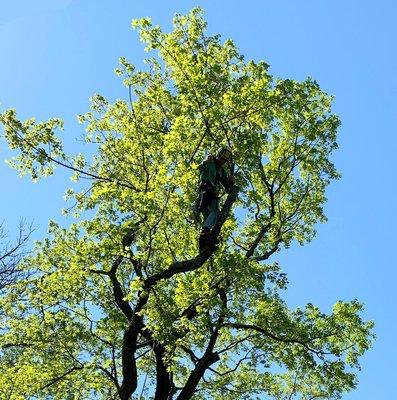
column 225, row 155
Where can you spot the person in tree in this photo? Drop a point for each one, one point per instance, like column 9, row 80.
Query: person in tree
column 212, row 175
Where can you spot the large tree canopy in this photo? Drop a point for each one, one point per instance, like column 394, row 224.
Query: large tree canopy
column 122, row 300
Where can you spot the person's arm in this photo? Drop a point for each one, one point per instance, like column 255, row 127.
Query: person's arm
column 227, row 180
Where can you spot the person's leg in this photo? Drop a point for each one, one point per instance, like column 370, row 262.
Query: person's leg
column 203, row 203
column 211, row 214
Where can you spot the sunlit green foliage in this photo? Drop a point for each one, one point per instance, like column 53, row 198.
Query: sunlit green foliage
column 110, row 291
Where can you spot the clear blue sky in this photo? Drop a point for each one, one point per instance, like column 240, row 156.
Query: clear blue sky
column 54, row 54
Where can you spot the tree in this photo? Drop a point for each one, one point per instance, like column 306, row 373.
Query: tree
column 121, row 304
column 12, row 253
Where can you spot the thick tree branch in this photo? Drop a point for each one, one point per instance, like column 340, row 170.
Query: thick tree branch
column 164, row 384
column 164, row 380
column 118, row 294
column 200, row 259
column 129, row 348
column 135, row 324
column 257, row 240
column 269, row 252
column 209, row 357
